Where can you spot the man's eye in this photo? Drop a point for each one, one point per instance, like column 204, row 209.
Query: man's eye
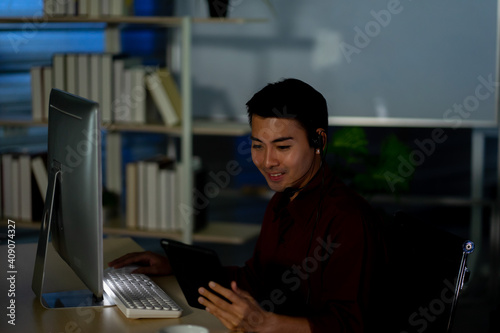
column 255, row 146
column 283, row 147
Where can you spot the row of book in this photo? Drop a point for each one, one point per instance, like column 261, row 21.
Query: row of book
column 90, row 8
column 126, row 91
column 17, row 184
column 23, row 186
column 153, row 196
column 153, row 192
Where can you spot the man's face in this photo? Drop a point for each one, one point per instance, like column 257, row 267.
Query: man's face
column 282, row 153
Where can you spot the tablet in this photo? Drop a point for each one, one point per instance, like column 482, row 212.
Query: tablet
column 194, row 267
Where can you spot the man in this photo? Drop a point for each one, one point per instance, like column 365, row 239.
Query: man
column 314, row 265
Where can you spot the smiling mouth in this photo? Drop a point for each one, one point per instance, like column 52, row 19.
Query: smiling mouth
column 276, row 176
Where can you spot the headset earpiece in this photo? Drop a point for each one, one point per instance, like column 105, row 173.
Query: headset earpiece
column 317, row 141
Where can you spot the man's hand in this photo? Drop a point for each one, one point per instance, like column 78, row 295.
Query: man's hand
column 152, row 263
column 242, row 314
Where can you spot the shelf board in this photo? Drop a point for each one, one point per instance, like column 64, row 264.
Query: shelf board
column 22, row 123
column 155, row 20
column 214, row 232
column 210, row 127
column 200, row 127
column 145, row 128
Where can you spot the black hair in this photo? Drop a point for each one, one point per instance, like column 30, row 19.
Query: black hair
column 291, row 99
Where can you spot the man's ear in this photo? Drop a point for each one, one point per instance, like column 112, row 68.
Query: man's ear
column 319, row 139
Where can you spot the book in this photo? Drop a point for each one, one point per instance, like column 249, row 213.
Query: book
column 60, row 7
column 167, row 192
column 37, row 93
column 152, row 202
column 106, row 85
column 95, row 8
column 49, row 7
column 131, row 195
column 113, row 39
column 83, row 76
column 113, row 162
column 106, row 7
column 95, row 79
column 138, row 95
column 83, row 7
column 123, row 104
column 71, row 73
column 116, row 8
column 25, row 212
column 47, row 87
column 161, row 99
column 7, row 185
column 122, row 86
column 39, row 168
column 71, row 7
column 15, row 185
column 172, row 90
column 59, row 71
column 163, row 200
column 173, row 195
column 142, row 212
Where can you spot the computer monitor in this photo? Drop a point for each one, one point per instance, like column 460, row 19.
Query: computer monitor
column 72, row 215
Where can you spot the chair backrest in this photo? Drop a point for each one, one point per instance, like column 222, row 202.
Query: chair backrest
column 427, row 268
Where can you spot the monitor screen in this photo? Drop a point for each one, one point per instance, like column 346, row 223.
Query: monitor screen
column 73, row 207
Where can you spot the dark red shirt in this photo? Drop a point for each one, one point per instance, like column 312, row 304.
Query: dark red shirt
column 318, row 256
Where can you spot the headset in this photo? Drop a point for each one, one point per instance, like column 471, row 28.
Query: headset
column 317, row 143
column 317, row 140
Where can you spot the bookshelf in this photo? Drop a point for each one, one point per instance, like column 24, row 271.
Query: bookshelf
column 167, row 21
column 216, row 231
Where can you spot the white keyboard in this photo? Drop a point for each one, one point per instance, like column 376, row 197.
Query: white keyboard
column 137, row 296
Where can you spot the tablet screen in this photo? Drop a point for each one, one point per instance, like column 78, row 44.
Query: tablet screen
column 194, row 267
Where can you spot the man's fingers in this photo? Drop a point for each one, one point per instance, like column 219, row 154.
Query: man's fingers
column 214, row 298
column 227, row 293
column 145, row 270
column 219, row 308
column 147, row 258
column 125, row 260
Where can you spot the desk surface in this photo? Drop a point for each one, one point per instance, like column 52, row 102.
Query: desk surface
column 31, row 316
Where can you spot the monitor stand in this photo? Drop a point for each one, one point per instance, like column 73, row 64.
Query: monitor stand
column 64, row 299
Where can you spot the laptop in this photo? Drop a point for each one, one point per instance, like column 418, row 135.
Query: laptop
column 194, row 267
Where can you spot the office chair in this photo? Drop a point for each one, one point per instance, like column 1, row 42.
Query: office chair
column 426, row 273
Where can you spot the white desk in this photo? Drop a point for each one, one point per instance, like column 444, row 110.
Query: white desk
column 31, row 316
